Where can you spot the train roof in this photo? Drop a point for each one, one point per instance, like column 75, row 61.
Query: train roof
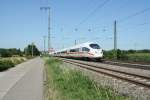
column 76, row 46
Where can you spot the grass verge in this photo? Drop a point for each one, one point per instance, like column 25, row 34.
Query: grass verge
column 66, row 84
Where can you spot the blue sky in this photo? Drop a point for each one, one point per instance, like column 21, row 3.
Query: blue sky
column 22, row 22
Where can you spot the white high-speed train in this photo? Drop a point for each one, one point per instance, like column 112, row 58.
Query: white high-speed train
column 89, row 50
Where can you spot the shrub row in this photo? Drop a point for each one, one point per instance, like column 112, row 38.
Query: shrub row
column 121, row 55
column 127, row 56
column 6, row 64
column 9, row 63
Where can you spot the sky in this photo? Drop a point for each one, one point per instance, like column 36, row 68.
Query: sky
column 22, row 22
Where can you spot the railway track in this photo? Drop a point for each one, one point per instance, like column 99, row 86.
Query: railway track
column 125, row 64
column 139, row 80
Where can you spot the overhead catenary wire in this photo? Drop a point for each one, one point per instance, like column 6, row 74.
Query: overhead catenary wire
column 135, row 14
column 94, row 11
column 119, row 20
column 145, row 23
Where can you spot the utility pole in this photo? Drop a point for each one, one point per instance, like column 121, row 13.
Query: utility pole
column 32, row 49
column 75, row 42
column 49, row 36
column 115, row 39
column 44, row 37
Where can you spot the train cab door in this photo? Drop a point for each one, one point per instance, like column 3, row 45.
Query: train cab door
column 85, row 51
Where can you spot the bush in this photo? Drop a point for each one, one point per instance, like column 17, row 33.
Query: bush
column 109, row 54
column 121, row 55
column 16, row 61
column 22, row 59
column 6, row 64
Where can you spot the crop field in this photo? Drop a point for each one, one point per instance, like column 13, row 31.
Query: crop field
column 65, row 84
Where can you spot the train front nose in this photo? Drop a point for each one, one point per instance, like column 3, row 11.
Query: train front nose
column 98, row 53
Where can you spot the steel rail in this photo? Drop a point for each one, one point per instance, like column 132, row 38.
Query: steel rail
column 97, row 66
column 97, row 69
column 126, row 64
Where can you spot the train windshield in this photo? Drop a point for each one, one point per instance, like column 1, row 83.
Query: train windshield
column 95, row 46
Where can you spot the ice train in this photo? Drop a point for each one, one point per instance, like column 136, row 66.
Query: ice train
column 88, row 50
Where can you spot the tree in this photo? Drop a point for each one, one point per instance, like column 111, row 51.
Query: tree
column 4, row 53
column 131, row 51
column 29, row 48
column 10, row 52
column 121, row 55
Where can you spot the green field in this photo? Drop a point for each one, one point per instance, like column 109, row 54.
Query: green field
column 139, row 57
column 135, row 56
column 65, row 84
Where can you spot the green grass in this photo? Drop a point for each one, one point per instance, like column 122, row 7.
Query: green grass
column 67, row 84
column 139, row 57
column 129, row 57
column 140, row 54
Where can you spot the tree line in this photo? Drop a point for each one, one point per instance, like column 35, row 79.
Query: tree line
column 122, row 54
column 17, row 52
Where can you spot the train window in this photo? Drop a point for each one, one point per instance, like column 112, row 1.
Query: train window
column 77, row 49
column 85, row 49
column 72, row 50
column 95, row 46
column 64, row 52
